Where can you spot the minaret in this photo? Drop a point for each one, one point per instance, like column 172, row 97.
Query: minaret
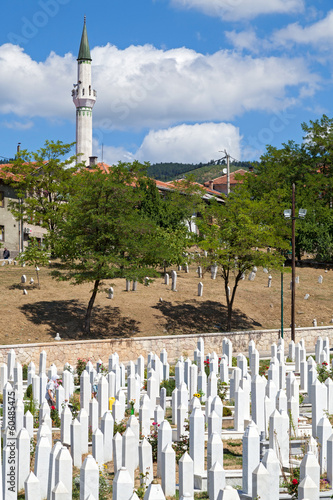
column 84, row 99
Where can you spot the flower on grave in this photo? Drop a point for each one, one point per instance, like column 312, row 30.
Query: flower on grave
column 132, row 402
column 324, row 363
column 154, row 423
column 196, row 395
column 294, row 481
column 53, row 407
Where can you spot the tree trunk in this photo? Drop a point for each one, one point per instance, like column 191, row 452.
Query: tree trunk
column 87, row 319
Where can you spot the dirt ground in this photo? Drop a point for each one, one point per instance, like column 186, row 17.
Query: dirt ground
column 155, row 310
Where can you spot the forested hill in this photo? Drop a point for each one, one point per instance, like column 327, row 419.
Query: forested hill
column 201, row 172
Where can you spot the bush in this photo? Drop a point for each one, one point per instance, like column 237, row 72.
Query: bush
column 25, row 372
column 226, row 412
column 169, row 386
column 28, row 392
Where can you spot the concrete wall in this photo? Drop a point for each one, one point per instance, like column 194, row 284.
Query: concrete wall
column 176, row 345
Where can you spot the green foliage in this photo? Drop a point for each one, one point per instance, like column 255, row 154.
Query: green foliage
column 169, row 386
column 56, row 422
column 201, row 172
column 42, row 181
column 80, row 366
column 103, row 235
column 119, row 427
column 222, row 389
column 234, row 361
column 236, row 236
column 25, row 372
column 227, row 412
column 74, row 405
column 324, row 372
column 34, row 255
column 291, row 483
column 183, row 445
column 28, row 392
column 310, row 167
column 152, row 439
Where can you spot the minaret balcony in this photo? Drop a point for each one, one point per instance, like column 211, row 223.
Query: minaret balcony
column 87, row 102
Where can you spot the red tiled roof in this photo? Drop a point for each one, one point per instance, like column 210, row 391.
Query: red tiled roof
column 223, row 178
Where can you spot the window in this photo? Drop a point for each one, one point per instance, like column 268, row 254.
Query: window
column 2, row 233
column 2, row 199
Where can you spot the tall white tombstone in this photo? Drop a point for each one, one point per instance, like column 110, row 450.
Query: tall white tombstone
column 216, row 480
column 145, row 462
column 257, row 398
column 168, row 470
column 251, row 456
column 164, row 437
column 32, row 487
column 51, row 480
column 89, row 479
column 261, row 483
column 122, row 485
column 64, row 469
column 186, row 479
column 84, row 422
column 76, row 449
column 23, row 457
column 272, row 464
column 42, row 459
column 197, row 440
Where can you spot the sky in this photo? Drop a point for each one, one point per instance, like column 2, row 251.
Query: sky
column 176, row 80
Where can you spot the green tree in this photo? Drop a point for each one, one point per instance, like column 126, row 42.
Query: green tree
column 34, row 255
column 236, row 236
column 42, row 181
column 172, row 213
column 103, row 235
column 310, row 167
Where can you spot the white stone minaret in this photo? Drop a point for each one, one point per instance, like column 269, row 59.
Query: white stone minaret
column 84, row 99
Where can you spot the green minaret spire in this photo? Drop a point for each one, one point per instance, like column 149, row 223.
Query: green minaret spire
column 84, row 52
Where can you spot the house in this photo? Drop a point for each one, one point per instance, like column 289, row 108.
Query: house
column 220, row 183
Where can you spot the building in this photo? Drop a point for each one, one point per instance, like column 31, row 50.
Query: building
column 220, row 183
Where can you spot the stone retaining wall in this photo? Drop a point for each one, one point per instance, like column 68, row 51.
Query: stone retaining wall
column 176, row 345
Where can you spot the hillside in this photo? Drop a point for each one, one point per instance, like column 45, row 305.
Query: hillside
column 202, row 173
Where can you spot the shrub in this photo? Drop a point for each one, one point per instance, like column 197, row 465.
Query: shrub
column 226, row 412
column 169, row 386
column 28, row 392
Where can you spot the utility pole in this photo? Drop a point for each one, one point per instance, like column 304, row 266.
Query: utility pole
column 293, row 265
column 228, row 171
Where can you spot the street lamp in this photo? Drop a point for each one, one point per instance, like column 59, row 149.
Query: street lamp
column 290, row 214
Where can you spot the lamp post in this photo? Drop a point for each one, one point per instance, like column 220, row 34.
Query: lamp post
column 290, row 214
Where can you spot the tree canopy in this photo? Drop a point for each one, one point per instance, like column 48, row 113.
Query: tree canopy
column 236, row 237
column 310, row 167
column 105, row 233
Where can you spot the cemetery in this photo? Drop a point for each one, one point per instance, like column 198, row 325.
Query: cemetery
column 219, row 425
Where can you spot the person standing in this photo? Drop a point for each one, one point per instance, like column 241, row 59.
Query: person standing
column 50, row 390
column 6, row 253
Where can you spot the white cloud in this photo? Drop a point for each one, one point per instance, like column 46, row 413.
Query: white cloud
column 200, row 142
column 244, row 40
column 241, row 9
column 318, row 34
column 190, row 143
column 109, row 154
column 142, row 86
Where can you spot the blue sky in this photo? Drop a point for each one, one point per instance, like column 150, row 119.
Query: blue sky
column 176, row 80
